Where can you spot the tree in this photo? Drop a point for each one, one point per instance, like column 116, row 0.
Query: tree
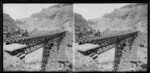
column 25, row 33
column 98, row 31
column 18, row 31
column 91, row 32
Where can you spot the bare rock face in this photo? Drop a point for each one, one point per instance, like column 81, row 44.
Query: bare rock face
column 80, row 23
column 9, row 23
column 129, row 17
column 81, row 26
column 56, row 17
column 9, row 27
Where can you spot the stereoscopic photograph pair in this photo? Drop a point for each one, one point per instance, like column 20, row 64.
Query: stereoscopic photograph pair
column 62, row 37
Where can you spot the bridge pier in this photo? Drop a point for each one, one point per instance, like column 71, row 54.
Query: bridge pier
column 131, row 42
column 46, row 53
column 119, row 47
column 58, row 43
column 118, row 53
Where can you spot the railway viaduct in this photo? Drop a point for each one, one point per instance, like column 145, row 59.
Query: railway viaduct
column 48, row 41
column 34, row 43
column 106, row 43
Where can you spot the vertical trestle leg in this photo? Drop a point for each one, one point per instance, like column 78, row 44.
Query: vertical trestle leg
column 131, row 43
column 46, row 53
column 118, row 53
column 59, row 42
column 58, row 45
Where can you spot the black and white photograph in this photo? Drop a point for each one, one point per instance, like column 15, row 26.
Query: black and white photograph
column 75, row 37
column 37, row 37
column 110, row 37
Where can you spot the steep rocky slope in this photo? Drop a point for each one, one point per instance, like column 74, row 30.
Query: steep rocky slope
column 9, row 23
column 81, row 24
column 81, row 27
column 129, row 17
column 57, row 17
column 9, row 27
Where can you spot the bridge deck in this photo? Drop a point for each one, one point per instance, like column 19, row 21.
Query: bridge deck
column 86, row 47
column 27, row 40
column 119, row 36
column 102, row 41
column 14, row 46
column 26, row 44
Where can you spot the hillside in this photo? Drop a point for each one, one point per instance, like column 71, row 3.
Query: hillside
column 81, row 23
column 10, row 29
column 129, row 17
column 57, row 17
column 9, row 24
column 82, row 29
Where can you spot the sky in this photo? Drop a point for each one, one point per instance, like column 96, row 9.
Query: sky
column 88, row 11
column 91, row 11
column 18, row 11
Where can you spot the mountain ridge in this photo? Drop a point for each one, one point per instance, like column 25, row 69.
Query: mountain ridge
column 129, row 17
column 52, row 18
column 10, row 29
